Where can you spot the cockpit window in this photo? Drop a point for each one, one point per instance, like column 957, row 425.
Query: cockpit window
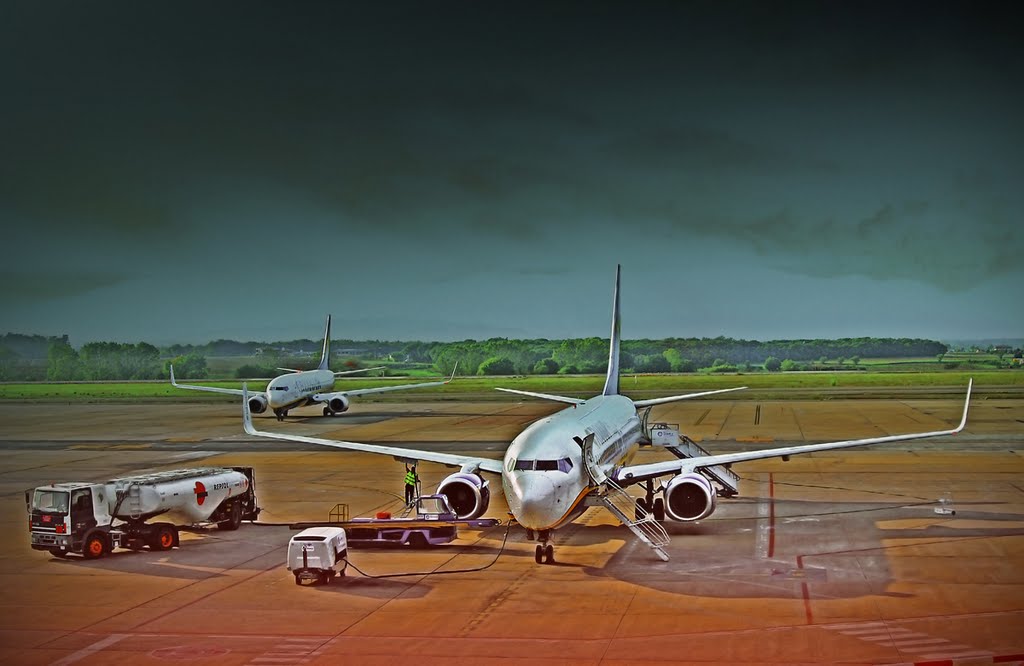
column 280, row 388
column 560, row 465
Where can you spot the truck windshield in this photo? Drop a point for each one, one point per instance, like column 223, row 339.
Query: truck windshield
column 50, row 500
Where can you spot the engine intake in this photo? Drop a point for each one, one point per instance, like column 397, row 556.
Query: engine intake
column 689, row 497
column 468, row 494
column 338, row 404
column 257, row 404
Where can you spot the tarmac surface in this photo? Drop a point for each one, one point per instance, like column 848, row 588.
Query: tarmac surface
column 828, row 558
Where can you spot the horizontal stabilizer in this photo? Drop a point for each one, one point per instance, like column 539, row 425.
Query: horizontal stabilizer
column 676, row 398
column 545, row 396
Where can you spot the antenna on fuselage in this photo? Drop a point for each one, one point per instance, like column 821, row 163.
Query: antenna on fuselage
column 611, row 382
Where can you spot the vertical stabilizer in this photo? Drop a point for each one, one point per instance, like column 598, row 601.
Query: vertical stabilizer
column 611, row 382
column 325, row 355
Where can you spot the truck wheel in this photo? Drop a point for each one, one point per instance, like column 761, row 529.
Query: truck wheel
column 59, row 551
column 164, row 538
column 234, row 520
column 417, row 540
column 95, row 546
column 298, row 581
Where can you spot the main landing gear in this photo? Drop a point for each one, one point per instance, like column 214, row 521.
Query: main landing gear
column 545, row 552
column 329, row 412
column 648, row 504
column 280, row 414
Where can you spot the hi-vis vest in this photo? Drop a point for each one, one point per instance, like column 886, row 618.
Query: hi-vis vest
column 410, row 478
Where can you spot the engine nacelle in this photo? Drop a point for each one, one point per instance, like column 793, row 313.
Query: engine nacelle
column 689, row 497
column 257, row 403
column 338, row 403
column 468, row 494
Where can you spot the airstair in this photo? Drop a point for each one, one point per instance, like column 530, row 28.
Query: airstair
column 727, row 479
column 624, row 507
column 668, row 437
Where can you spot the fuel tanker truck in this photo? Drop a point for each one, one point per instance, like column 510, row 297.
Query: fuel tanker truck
column 94, row 518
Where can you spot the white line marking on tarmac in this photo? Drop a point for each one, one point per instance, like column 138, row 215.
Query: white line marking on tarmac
column 90, row 650
column 763, row 523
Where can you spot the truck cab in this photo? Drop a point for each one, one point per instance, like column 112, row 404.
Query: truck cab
column 61, row 515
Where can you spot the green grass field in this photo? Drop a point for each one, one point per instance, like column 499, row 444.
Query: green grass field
column 761, row 385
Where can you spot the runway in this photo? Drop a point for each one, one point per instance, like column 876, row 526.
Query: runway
column 827, row 558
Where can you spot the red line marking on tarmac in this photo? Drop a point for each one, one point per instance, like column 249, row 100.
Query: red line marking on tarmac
column 771, row 514
column 940, row 662
column 806, row 592
column 1003, row 658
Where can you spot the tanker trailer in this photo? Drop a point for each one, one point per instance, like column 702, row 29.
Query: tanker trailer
column 94, row 518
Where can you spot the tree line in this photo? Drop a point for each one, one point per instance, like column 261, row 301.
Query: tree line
column 53, row 358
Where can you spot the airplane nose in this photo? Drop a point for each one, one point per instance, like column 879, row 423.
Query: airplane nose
column 536, row 502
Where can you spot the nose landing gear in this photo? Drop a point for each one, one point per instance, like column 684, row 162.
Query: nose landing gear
column 280, row 414
column 545, row 552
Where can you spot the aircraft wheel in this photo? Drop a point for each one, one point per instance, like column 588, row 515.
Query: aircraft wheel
column 549, row 554
column 642, row 509
column 328, row 412
column 538, row 554
column 530, row 535
column 659, row 510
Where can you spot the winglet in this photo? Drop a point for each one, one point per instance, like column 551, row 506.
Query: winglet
column 246, row 414
column 967, row 403
column 453, row 372
column 173, row 383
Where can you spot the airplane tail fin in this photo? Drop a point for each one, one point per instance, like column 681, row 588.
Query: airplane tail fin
column 611, row 382
column 325, row 355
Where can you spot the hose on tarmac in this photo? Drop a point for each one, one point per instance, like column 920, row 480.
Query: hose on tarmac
column 504, row 539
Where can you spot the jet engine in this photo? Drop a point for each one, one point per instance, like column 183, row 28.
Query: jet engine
column 468, row 494
column 257, row 403
column 689, row 497
column 338, row 403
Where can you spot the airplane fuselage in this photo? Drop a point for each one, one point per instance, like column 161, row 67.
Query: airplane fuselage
column 298, row 388
column 546, row 475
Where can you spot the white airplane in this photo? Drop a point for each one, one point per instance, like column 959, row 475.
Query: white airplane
column 306, row 387
column 579, row 457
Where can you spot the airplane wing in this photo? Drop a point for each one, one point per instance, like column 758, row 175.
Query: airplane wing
column 211, row 389
column 467, row 463
column 636, row 473
column 675, row 398
column 545, row 396
column 326, row 397
column 352, row 372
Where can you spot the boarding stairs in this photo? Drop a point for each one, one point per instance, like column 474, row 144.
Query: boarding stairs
column 624, row 507
column 728, row 481
column 668, row 437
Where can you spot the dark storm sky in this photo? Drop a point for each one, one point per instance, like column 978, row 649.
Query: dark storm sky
column 436, row 170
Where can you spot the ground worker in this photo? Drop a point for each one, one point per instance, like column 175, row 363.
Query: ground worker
column 411, row 479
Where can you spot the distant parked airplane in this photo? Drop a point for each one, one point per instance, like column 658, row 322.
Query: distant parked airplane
column 579, row 457
column 306, row 387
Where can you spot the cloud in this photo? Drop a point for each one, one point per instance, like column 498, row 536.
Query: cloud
column 35, row 286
